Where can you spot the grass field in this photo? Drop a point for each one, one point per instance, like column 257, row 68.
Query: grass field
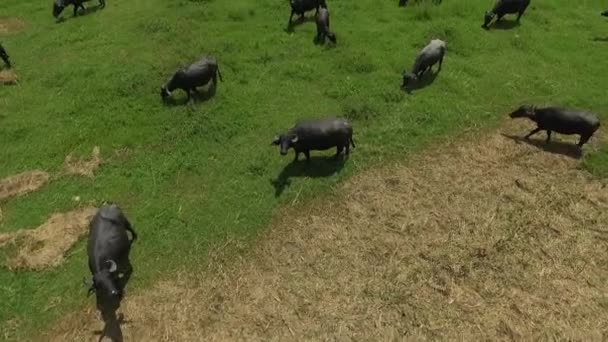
column 189, row 176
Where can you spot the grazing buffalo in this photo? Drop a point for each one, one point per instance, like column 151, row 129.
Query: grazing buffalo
column 196, row 75
column 4, row 57
column 60, row 5
column 559, row 120
column 429, row 56
column 503, row 7
column 108, row 251
column 605, row 13
column 317, row 135
column 323, row 31
column 302, row 6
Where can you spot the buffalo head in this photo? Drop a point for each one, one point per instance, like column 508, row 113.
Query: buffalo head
column 285, row 141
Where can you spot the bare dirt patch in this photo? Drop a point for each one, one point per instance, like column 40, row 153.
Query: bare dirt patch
column 11, row 25
column 45, row 246
column 8, row 77
column 22, row 183
column 82, row 167
column 490, row 238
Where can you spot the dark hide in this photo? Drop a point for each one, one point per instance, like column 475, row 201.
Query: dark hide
column 317, row 135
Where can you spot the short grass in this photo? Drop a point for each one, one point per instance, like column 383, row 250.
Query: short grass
column 189, row 176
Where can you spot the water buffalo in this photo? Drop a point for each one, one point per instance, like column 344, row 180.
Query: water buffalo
column 560, row 120
column 302, row 6
column 429, row 56
column 4, row 57
column 323, row 31
column 108, row 251
column 317, row 135
column 197, row 74
column 605, row 13
column 503, row 7
column 60, row 5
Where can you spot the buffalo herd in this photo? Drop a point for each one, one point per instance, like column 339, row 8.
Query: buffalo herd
column 109, row 244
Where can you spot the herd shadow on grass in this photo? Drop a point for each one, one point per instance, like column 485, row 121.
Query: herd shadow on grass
column 555, row 147
column 317, row 167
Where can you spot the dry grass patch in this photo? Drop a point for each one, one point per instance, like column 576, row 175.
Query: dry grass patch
column 485, row 239
column 45, row 246
column 8, row 77
column 10, row 25
column 82, row 167
column 22, row 183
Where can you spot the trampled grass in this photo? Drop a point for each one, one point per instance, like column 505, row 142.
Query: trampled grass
column 191, row 175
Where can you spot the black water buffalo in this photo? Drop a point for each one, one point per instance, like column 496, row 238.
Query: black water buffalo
column 317, row 135
column 605, row 13
column 560, row 120
column 4, row 57
column 108, row 251
column 323, row 31
column 197, row 74
column 60, row 5
column 503, row 7
column 302, row 6
column 430, row 55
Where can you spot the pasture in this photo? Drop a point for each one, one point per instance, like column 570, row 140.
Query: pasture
column 193, row 176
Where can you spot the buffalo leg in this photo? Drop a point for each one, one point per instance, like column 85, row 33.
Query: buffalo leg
column 440, row 63
column 291, row 17
column 75, row 10
column 519, row 16
column 534, row 131
column 102, row 3
column 347, row 152
column 297, row 155
column 584, row 139
column 498, row 18
column 214, row 78
column 548, row 136
column 339, row 151
column 307, row 154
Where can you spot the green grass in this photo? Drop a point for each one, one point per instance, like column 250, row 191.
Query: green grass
column 195, row 174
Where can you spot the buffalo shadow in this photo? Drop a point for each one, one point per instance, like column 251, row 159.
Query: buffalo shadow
column 207, row 93
column 85, row 12
column 299, row 21
column 112, row 328
column 555, row 147
column 427, row 79
column 318, row 166
column 504, row 24
column 323, row 42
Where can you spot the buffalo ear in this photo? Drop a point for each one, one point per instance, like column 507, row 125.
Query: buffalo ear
column 113, row 266
column 294, row 139
column 276, row 140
